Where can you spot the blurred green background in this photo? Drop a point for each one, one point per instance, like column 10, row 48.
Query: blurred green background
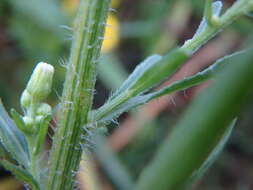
column 34, row 31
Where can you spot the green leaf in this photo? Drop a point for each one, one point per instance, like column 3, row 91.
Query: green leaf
column 201, row 127
column 19, row 122
column 137, row 74
column 149, row 73
column 4, row 154
column 187, row 82
column 21, row 174
column 152, row 71
column 196, row 79
column 12, row 139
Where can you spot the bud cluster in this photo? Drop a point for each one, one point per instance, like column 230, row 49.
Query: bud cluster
column 37, row 89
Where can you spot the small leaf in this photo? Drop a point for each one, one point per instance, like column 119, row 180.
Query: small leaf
column 149, row 73
column 20, row 173
column 4, row 154
column 19, row 122
column 183, row 84
column 139, row 70
column 152, row 71
column 12, row 139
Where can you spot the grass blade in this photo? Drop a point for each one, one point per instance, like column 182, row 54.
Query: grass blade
column 12, row 139
column 200, row 129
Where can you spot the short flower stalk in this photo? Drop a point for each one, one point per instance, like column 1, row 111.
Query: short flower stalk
column 37, row 114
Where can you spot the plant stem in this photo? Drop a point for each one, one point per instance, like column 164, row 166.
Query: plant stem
column 238, row 9
column 208, row 13
column 77, row 94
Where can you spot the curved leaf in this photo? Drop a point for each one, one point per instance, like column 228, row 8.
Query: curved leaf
column 148, row 74
column 12, row 139
column 183, row 84
column 21, row 174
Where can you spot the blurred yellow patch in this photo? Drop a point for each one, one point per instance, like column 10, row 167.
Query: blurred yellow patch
column 115, row 3
column 111, row 34
column 10, row 184
column 111, row 38
column 70, row 6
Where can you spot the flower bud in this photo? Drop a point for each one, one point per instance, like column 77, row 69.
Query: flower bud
column 28, row 121
column 39, row 119
column 40, row 83
column 25, row 99
column 44, row 109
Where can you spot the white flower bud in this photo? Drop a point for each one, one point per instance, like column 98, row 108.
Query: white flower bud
column 28, row 121
column 39, row 119
column 40, row 83
column 44, row 109
column 25, row 99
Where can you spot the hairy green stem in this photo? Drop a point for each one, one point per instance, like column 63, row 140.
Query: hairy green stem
column 77, row 94
column 208, row 13
column 239, row 8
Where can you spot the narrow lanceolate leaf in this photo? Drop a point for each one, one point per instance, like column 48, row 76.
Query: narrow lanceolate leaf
column 196, row 79
column 19, row 122
column 187, row 82
column 149, row 73
column 137, row 73
column 159, row 71
column 200, row 128
column 20, row 174
column 152, row 71
column 12, row 139
column 4, row 154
